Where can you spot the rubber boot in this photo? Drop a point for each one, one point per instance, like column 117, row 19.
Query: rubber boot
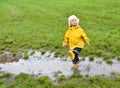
column 75, row 66
column 71, row 54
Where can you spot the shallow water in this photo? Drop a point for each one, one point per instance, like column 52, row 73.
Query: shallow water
column 47, row 65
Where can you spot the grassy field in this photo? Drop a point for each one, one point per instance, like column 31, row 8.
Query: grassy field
column 41, row 25
column 74, row 81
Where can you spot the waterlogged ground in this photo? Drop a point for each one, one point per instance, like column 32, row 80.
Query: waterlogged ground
column 48, row 65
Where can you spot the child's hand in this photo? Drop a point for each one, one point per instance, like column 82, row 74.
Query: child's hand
column 63, row 46
column 88, row 44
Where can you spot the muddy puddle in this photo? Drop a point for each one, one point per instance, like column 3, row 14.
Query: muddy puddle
column 48, row 65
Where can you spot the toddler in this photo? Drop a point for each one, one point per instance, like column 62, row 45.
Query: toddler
column 76, row 38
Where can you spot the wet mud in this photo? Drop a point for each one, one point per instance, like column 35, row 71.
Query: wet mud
column 10, row 57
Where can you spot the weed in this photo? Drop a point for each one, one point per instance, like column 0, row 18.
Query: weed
column 57, row 54
column 108, row 61
column 44, row 80
column 26, row 56
column 61, row 78
column 118, row 58
column 42, row 51
column 113, row 73
column 76, row 75
column 107, row 56
column 5, row 75
column 32, row 52
column 56, row 74
column 91, row 58
column 14, row 54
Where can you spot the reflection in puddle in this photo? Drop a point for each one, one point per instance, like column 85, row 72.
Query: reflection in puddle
column 47, row 65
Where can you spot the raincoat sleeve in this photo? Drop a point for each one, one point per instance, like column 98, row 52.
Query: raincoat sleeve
column 66, row 39
column 85, row 38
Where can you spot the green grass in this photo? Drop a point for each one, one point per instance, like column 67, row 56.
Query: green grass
column 42, row 24
column 24, row 80
column 26, row 56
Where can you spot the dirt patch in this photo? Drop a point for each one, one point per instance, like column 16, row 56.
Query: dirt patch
column 10, row 57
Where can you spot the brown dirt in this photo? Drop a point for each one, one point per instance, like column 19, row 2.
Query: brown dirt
column 9, row 58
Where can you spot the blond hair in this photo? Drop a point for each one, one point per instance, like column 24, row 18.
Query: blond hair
column 72, row 17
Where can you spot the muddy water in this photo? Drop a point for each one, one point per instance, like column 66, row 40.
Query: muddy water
column 47, row 65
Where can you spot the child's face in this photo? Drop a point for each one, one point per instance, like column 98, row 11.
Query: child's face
column 73, row 22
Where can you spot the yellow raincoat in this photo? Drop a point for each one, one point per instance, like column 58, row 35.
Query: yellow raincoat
column 75, row 37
